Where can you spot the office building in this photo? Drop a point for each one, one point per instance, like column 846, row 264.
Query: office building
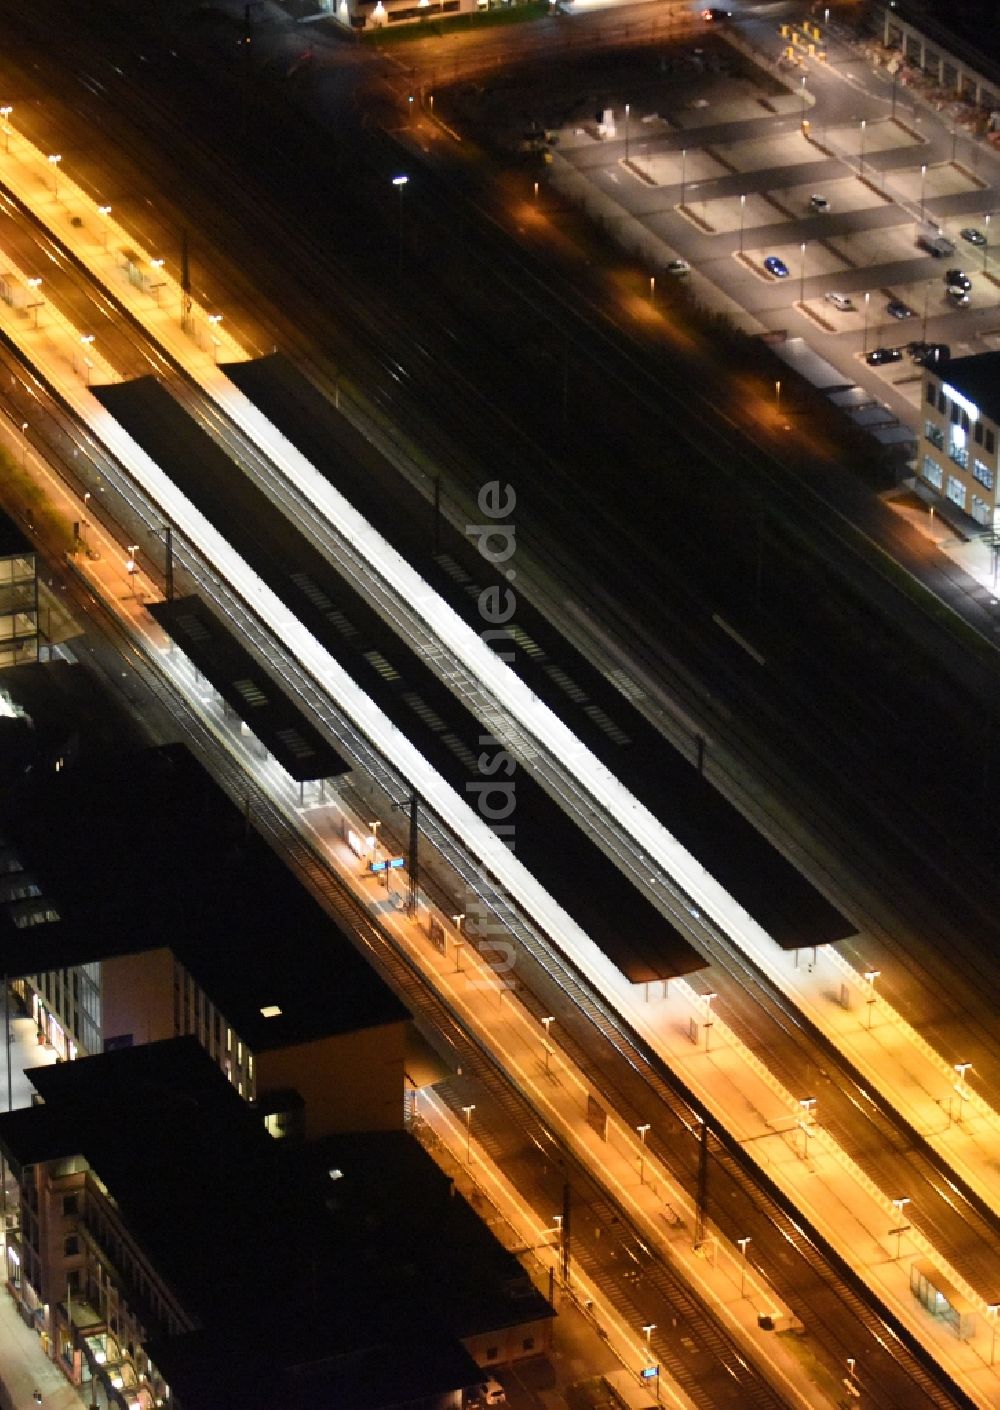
column 960, row 423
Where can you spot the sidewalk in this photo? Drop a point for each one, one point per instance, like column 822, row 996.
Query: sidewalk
column 24, row 1367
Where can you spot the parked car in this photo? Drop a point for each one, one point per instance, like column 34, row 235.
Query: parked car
column 776, row 266
column 491, row 1392
column 973, row 236
column 879, row 355
column 714, row 13
column 932, row 355
column 895, row 308
column 840, row 301
column 678, row 266
column 959, row 297
column 958, row 279
column 819, row 203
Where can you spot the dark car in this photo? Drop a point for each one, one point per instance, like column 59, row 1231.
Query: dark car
column 932, row 355
column 879, row 355
column 973, row 236
column 776, row 266
column 895, row 308
column 958, row 279
column 714, row 13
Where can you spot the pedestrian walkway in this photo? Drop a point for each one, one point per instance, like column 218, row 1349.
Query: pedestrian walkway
column 25, row 1368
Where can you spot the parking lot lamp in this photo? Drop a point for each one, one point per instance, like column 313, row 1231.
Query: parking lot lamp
column 626, row 131
column 986, row 242
column 684, row 162
column 802, row 272
column 861, row 161
column 743, row 211
column 868, row 299
column 923, row 181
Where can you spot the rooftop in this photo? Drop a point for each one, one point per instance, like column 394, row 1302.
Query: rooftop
column 978, row 379
column 13, row 538
column 354, row 1280
column 143, row 851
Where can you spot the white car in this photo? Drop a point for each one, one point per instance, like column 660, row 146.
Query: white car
column 840, row 301
column 491, row 1392
column 819, row 204
column 678, row 266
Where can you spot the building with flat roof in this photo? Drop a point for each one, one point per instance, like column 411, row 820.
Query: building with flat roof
column 147, row 908
column 168, row 1252
column 957, row 453
column 18, row 596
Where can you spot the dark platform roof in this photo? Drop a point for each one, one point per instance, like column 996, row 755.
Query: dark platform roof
column 142, row 851
column 249, row 690
column 300, row 1280
column 977, row 378
column 13, row 539
column 627, row 927
column 596, row 707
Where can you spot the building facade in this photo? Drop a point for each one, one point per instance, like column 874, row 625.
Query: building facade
column 960, row 425
column 18, row 597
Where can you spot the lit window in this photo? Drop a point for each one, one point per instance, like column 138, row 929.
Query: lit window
column 932, row 472
column 956, row 491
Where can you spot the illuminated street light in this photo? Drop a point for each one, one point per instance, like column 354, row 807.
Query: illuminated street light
column 867, row 302
column 743, row 211
column 132, row 567
column 400, row 183
column 808, row 1105
column 899, row 1205
column 986, row 243
column 802, row 272
column 157, row 264
column 960, row 1086
column 923, row 180
column 87, row 342
column 861, row 162
column 627, row 110
column 643, row 1131
column 54, row 160
column 104, row 212
column 743, row 1264
column 709, row 1000
column 684, row 161
column 547, row 1023
column 468, row 1131
column 871, row 975
column 35, row 283
column 648, row 1330
column 457, row 920
column 5, row 113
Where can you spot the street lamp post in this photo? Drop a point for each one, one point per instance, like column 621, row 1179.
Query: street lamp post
column 743, row 211
column 899, row 1205
column 709, row 1000
column 400, row 183
column 743, row 1264
column 923, row 181
column 867, row 302
column 547, row 1023
column 214, row 320
column 132, row 567
column 802, row 90
column 861, row 162
column 457, row 920
column 684, row 159
column 87, row 342
column 35, row 283
column 871, row 975
column 468, row 1131
column 626, row 131
column 54, row 160
column 808, row 1105
column 961, row 1068
column 104, row 212
column 5, row 113
column 802, row 272
column 643, row 1132
column 648, row 1329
